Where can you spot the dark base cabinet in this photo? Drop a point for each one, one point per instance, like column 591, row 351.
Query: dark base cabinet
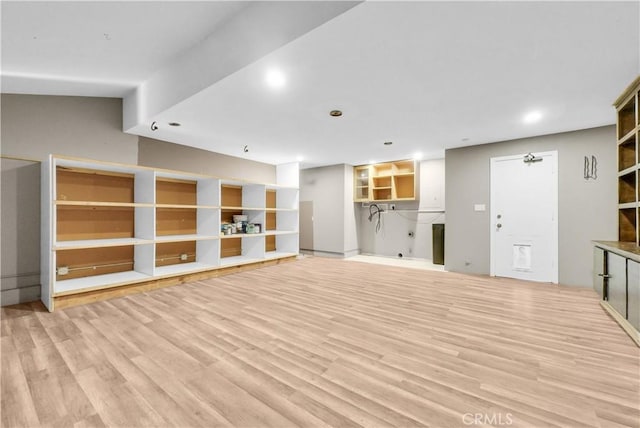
column 617, row 282
column 599, row 270
column 633, row 293
column 616, row 279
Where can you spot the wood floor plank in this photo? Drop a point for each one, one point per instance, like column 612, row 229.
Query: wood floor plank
column 319, row 343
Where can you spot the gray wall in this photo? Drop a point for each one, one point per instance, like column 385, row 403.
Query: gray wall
column 586, row 209
column 161, row 154
column 416, row 217
column 329, row 188
column 351, row 246
column 20, row 222
column 34, row 126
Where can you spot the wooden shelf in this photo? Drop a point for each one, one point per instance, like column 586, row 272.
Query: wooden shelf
column 100, row 204
column 230, row 246
column 627, row 118
column 72, row 286
column 176, row 192
column 176, row 221
column 75, row 223
column 231, row 196
column 628, row 133
column 362, row 183
column 112, row 225
column 404, row 186
column 388, row 181
column 79, row 184
column 181, row 269
column 238, row 260
column 191, row 237
column 86, row 262
column 382, row 194
column 96, row 243
column 627, row 225
column 175, row 253
column 278, row 254
column 627, row 188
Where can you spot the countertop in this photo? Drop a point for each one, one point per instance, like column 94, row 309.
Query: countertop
column 625, row 249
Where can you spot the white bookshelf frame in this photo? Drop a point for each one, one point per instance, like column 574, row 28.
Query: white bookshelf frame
column 207, row 238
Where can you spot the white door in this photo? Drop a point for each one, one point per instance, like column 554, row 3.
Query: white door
column 524, row 217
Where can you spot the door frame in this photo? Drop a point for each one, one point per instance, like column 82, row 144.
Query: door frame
column 552, row 156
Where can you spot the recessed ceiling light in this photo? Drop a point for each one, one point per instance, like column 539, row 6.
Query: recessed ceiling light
column 299, row 158
column 335, row 113
column 388, row 143
column 532, row 117
column 417, row 156
column 275, row 78
column 174, row 124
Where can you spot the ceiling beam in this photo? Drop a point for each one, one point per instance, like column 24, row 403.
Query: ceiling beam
column 257, row 30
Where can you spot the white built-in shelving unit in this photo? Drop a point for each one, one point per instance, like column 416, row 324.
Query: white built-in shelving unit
column 107, row 225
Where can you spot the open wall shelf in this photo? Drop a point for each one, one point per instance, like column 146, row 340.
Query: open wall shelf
column 108, row 225
column 628, row 132
column 388, row 181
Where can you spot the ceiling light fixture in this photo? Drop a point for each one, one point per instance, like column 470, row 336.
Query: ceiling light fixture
column 174, row 124
column 275, row 78
column 388, row 143
column 417, row 156
column 299, row 158
column 532, row 117
column 335, row 113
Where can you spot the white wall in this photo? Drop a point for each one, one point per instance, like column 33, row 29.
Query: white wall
column 410, row 217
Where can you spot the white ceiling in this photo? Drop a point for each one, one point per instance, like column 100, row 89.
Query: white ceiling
column 425, row 75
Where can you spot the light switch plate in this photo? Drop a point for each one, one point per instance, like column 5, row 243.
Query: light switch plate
column 479, row 207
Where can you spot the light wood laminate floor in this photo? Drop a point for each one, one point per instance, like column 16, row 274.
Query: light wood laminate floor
column 323, row 342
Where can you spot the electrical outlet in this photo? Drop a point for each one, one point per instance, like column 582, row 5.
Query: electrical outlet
column 183, row 257
column 63, row 270
column 392, row 207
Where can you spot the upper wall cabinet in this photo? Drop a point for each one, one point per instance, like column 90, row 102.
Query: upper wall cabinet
column 387, row 181
column 628, row 135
